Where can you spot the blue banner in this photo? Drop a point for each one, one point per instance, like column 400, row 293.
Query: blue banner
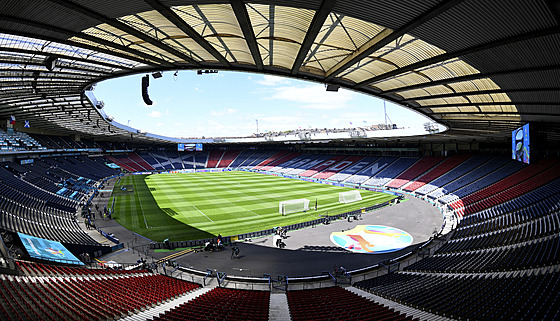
column 47, row 250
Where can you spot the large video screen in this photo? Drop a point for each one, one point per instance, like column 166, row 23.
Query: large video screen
column 47, row 250
column 520, row 144
column 190, row 147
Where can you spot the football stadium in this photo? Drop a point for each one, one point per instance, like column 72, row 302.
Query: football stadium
column 456, row 220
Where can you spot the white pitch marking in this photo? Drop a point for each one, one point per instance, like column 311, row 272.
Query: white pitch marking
column 203, row 213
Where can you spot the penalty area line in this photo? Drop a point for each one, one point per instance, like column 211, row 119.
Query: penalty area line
column 254, row 213
column 243, row 206
column 203, row 213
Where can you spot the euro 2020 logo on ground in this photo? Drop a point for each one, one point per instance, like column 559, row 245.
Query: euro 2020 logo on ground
column 372, row 239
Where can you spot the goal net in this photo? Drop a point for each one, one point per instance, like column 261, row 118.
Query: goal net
column 349, row 197
column 293, row 206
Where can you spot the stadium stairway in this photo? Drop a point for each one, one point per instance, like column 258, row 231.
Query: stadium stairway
column 322, row 166
column 227, row 158
column 272, row 159
column 160, row 309
column 214, row 158
column 140, row 161
column 337, row 167
column 425, row 164
column 120, row 163
column 409, row 311
column 280, row 160
column 279, row 310
column 444, row 167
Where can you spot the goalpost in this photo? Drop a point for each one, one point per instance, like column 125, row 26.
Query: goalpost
column 349, row 197
column 293, row 206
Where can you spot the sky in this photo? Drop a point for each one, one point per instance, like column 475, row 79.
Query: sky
column 232, row 104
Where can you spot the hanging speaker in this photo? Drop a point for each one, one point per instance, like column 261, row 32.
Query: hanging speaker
column 50, row 62
column 145, row 84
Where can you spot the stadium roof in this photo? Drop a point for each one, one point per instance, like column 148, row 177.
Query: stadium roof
column 482, row 68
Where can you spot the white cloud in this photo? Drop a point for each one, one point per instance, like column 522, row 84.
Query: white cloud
column 269, row 80
column 313, row 97
column 159, row 124
column 281, row 123
column 225, row 111
column 210, row 128
column 281, row 119
column 155, row 114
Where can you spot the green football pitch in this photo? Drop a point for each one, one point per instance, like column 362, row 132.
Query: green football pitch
column 201, row 205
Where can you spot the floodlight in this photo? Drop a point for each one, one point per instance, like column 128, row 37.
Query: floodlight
column 333, row 88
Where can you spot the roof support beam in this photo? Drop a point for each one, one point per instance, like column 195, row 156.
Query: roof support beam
column 46, row 85
column 188, row 30
column 35, row 53
column 387, row 36
column 214, row 31
column 451, row 55
column 33, row 98
column 497, row 103
column 471, row 77
column 372, row 45
column 481, row 92
column 60, row 91
column 32, row 110
column 271, row 27
column 313, row 30
column 49, row 74
column 109, row 44
column 126, row 28
column 245, row 23
column 466, row 114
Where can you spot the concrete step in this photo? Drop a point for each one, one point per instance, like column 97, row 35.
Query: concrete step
column 409, row 311
column 279, row 310
column 162, row 308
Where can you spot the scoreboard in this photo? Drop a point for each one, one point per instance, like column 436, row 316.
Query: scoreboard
column 189, row 147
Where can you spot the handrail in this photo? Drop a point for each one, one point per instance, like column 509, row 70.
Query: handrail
column 331, row 276
column 269, row 280
column 208, row 273
column 221, row 277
